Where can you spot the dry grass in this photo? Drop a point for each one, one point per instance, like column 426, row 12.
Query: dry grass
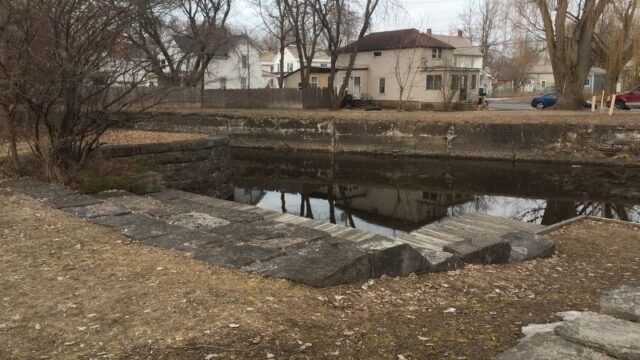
column 70, row 289
column 631, row 118
column 134, row 137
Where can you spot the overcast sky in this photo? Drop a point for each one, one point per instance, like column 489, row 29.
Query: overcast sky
column 440, row 15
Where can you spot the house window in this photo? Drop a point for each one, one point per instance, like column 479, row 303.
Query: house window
column 223, row 83
column 436, row 53
column 243, row 83
column 587, row 82
column 314, row 81
column 381, row 85
column 244, row 61
column 543, row 84
column 434, row 82
column 455, row 81
column 289, row 67
column 377, row 53
column 324, row 65
column 473, row 82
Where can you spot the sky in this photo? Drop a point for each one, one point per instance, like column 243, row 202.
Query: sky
column 442, row 16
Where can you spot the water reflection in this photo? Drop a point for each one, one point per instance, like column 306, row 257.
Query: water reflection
column 392, row 196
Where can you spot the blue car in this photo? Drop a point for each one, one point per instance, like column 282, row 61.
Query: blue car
column 542, row 102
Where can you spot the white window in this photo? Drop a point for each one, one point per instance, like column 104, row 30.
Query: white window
column 587, row 82
column 543, row 83
column 314, row 81
column 243, row 83
column 324, row 65
column 223, row 83
column 436, row 53
column 289, row 67
column 381, row 85
column 434, row 82
column 377, row 53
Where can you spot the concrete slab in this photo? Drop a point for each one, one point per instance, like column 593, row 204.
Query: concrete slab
column 622, row 303
column 528, row 246
column 617, row 338
column 137, row 226
column 439, row 261
column 321, row 263
column 391, row 257
column 98, row 210
column 481, row 250
column 548, row 346
column 187, row 240
column 195, row 220
column 234, row 255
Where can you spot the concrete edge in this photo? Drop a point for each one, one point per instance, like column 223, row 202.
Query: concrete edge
column 554, row 227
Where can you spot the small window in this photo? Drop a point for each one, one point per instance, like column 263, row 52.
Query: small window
column 243, row 83
column 434, row 82
column 455, row 81
column 314, row 81
column 377, row 53
column 436, row 53
column 244, row 61
column 544, row 84
column 289, row 67
column 473, row 82
column 381, row 86
column 223, row 83
column 587, row 82
column 324, row 65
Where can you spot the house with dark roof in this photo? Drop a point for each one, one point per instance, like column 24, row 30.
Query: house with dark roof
column 427, row 68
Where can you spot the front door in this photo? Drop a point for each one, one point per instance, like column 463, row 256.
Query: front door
column 464, row 83
column 357, row 87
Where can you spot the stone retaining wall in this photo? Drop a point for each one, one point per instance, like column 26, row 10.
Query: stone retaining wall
column 553, row 142
column 194, row 165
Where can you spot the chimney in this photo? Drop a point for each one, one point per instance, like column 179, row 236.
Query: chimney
column 460, row 33
column 429, row 31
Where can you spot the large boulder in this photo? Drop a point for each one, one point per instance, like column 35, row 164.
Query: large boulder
column 617, row 338
column 622, row 303
column 391, row 257
column 548, row 346
column 439, row 261
column 527, row 246
column 481, row 250
column 325, row 262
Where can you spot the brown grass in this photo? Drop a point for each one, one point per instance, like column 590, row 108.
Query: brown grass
column 134, row 137
column 70, row 289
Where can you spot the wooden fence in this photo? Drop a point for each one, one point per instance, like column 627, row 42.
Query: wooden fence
column 313, row 98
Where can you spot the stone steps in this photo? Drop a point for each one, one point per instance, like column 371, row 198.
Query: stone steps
column 588, row 335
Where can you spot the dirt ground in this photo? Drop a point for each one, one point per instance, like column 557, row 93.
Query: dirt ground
column 631, row 118
column 129, row 137
column 74, row 290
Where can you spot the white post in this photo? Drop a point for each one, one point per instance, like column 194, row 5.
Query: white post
column 593, row 104
column 602, row 103
column 613, row 102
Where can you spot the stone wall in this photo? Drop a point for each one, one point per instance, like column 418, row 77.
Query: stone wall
column 201, row 165
column 551, row 142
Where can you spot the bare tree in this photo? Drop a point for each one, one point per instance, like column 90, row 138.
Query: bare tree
column 180, row 37
column 615, row 40
column 450, row 83
column 569, row 30
column 480, row 21
column 75, row 55
column 514, row 67
column 335, row 16
column 306, row 28
column 408, row 61
column 276, row 22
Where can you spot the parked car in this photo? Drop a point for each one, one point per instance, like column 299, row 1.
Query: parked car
column 542, row 102
column 626, row 100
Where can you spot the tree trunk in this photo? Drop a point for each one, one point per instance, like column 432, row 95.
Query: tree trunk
column 281, row 77
column 14, row 160
column 570, row 90
column 611, row 79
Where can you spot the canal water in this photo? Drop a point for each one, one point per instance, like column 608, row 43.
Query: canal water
column 395, row 195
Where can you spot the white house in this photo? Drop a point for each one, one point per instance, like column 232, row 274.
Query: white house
column 236, row 64
column 429, row 69
column 292, row 61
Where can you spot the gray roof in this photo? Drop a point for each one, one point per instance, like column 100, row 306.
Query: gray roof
column 461, row 44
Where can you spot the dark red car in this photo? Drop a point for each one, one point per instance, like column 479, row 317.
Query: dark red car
column 627, row 100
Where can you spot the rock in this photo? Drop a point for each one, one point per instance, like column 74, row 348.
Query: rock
column 233, row 255
column 548, row 346
column 481, row 250
column 99, row 210
column 533, row 329
column 618, row 338
column 187, row 240
column 439, row 261
column 145, row 183
column 325, row 262
column 527, row 246
column 137, row 226
column 195, row 220
column 391, row 257
column 622, row 303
